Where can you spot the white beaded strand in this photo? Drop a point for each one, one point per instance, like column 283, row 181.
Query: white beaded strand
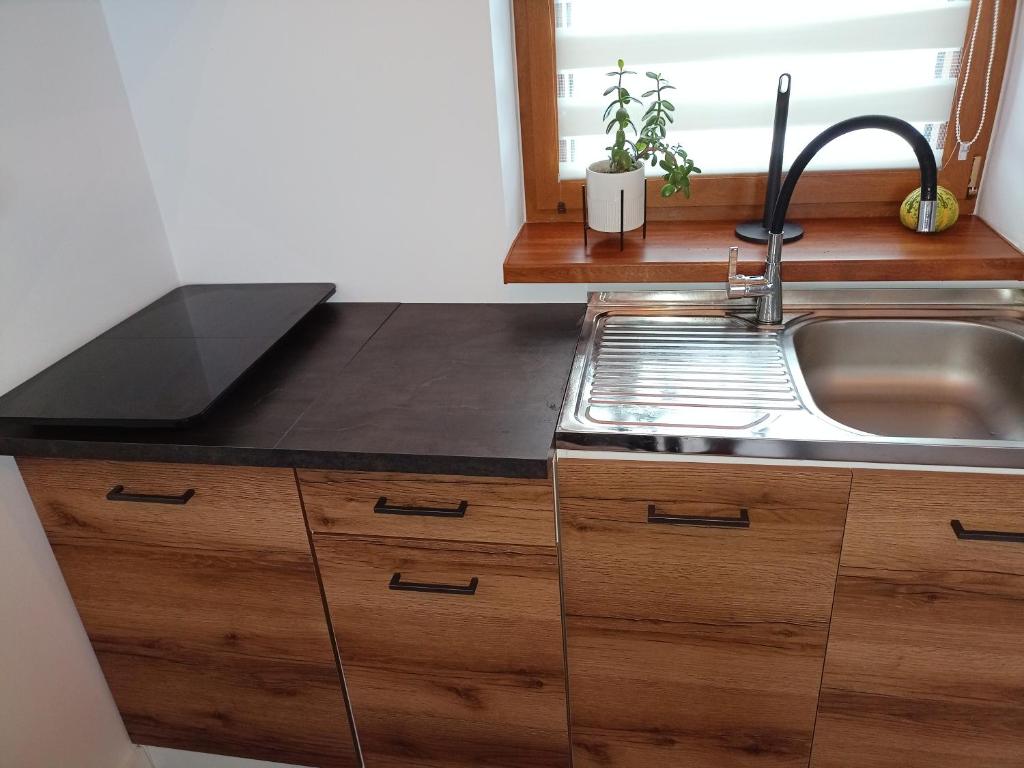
column 966, row 145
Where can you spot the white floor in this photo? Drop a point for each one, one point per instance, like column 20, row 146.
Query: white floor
column 158, row 757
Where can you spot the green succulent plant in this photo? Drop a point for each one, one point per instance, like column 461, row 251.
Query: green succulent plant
column 649, row 145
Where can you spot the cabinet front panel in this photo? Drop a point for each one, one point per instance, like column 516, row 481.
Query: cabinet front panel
column 449, row 678
column 206, row 615
column 697, row 600
column 925, row 662
column 225, row 508
column 451, row 507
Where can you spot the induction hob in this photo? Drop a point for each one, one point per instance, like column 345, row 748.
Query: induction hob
column 167, row 364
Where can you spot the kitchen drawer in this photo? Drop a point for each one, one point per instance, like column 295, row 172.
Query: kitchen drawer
column 783, row 564
column 206, row 616
column 696, row 642
column 925, row 663
column 450, row 507
column 470, row 676
column 228, row 507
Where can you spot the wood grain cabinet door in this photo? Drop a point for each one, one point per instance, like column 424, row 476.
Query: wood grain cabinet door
column 697, row 600
column 197, row 588
column 453, row 651
column 496, row 510
column 925, row 665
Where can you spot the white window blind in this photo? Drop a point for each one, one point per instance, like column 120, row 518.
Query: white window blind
column 894, row 57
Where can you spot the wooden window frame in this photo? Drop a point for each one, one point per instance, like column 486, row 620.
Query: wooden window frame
column 821, row 194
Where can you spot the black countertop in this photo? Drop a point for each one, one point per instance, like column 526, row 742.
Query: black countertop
column 433, row 388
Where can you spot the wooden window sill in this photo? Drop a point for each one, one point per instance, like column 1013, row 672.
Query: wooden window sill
column 697, row 252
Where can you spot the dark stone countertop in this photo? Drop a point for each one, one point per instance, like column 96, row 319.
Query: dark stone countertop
column 432, row 388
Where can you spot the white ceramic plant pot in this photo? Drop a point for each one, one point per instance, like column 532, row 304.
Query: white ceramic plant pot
column 606, row 190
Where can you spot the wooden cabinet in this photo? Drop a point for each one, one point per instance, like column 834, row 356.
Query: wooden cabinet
column 453, row 652
column 697, row 602
column 925, row 665
column 449, row 624
column 452, row 507
column 197, row 588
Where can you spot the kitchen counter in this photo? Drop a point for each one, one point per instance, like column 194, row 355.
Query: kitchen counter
column 470, row 389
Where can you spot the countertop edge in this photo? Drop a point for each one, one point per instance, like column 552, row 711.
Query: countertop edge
column 475, row 466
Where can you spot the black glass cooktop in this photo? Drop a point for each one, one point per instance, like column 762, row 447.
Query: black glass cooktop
column 168, row 363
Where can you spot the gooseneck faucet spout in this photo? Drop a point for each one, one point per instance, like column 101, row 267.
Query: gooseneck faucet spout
column 903, row 129
column 768, row 287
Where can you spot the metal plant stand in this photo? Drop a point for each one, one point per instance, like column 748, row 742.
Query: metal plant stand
column 622, row 217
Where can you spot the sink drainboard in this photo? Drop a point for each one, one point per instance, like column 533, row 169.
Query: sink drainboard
column 685, row 371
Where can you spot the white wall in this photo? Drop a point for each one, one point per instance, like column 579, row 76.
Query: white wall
column 371, row 144
column 506, row 92
column 1001, row 202
column 81, row 240
column 81, row 247
column 55, row 708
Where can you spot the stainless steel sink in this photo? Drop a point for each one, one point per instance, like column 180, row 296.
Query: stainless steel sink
column 874, row 376
column 911, row 377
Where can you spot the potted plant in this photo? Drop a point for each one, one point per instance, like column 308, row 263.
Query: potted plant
column 621, row 176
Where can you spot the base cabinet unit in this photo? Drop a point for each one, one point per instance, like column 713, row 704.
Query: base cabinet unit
column 709, row 615
column 453, row 651
column 444, row 598
column 198, row 590
column 925, row 665
column 697, row 601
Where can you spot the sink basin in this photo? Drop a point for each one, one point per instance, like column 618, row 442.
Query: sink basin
column 915, row 378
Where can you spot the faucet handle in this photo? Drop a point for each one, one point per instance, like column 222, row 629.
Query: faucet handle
column 742, row 286
column 734, row 260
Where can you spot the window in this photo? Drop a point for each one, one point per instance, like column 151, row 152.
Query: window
column 567, row 150
column 566, row 85
column 846, row 59
column 876, row 56
column 563, row 15
column 936, row 135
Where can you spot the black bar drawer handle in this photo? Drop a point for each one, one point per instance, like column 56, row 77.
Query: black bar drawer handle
column 383, row 508
column 117, row 494
column 964, row 533
column 444, row 589
column 743, row 521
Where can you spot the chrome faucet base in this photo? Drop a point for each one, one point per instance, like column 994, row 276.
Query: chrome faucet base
column 769, row 305
column 766, row 288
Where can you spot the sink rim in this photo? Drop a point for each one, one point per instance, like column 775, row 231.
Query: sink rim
column 804, row 435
